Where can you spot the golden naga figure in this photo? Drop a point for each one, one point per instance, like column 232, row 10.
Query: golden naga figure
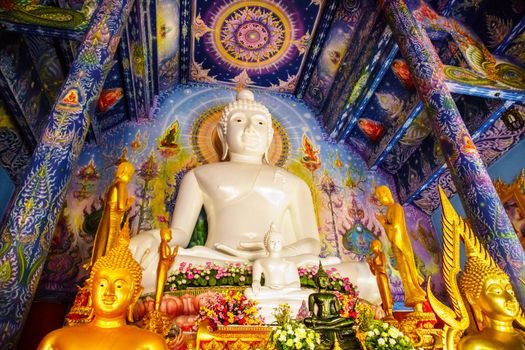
column 483, row 285
column 116, row 203
column 377, row 263
column 395, row 227
column 114, row 281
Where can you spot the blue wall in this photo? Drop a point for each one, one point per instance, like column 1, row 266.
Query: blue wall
column 508, row 167
column 7, row 188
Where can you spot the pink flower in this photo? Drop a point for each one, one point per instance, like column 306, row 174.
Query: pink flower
column 190, row 276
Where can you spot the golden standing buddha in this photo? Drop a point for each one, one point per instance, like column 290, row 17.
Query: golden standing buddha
column 116, row 204
column 395, row 227
column 166, row 259
column 115, row 287
column 377, row 263
column 483, row 285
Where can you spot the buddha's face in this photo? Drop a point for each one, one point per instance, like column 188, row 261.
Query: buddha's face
column 275, row 243
column 166, row 234
column 323, row 282
column 383, row 195
column 497, row 299
column 124, row 171
column 248, row 133
column 112, row 292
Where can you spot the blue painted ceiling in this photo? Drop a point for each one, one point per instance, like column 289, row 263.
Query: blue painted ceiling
column 338, row 56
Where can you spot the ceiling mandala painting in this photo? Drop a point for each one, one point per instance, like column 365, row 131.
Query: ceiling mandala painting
column 253, row 43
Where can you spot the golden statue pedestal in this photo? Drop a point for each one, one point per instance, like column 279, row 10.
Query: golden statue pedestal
column 233, row 337
column 419, row 327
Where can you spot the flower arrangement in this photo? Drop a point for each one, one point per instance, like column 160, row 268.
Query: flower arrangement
column 348, row 305
column 365, row 316
column 237, row 274
column 209, row 275
column 229, row 308
column 383, row 336
column 336, row 282
column 291, row 334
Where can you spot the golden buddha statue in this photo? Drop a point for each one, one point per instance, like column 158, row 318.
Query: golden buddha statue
column 483, row 285
column 395, row 227
column 166, row 259
column 116, row 203
column 377, row 264
column 114, row 281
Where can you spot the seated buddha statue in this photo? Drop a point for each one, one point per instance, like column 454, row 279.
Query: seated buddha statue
column 489, row 292
column 482, row 286
column 281, row 279
column 241, row 197
column 325, row 308
column 114, row 282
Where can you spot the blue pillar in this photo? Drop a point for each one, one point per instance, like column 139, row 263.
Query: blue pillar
column 25, row 241
column 476, row 191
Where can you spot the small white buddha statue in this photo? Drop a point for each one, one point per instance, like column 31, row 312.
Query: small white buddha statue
column 281, row 279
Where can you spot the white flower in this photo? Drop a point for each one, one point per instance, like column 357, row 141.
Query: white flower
column 385, row 325
column 394, row 333
column 376, row 331
column 381, row 341
column 392, row 341
column 370, row 334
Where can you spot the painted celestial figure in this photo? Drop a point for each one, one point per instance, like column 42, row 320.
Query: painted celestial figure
column 115, row 287
column 395, row 227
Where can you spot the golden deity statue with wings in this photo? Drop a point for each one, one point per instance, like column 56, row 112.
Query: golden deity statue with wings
column 483, row 293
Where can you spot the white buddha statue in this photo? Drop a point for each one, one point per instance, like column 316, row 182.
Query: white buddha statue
column 281, row 279
column 241, row 197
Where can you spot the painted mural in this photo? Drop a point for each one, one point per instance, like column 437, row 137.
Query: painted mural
column 20, row 81
column 168, row 42
column 111, row 105
column 493, row 21
column 180, row 137
column 14, row 152
column 255, row 43
column 343, row 28
column 491, row 145
column 425, row 158
column 356, row 66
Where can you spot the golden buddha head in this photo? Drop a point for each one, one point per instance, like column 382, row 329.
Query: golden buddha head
column 245, row 127
column 125, row 171
column 488, row 290
column 115, row 283
column 165, row 234
column 383, row 195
